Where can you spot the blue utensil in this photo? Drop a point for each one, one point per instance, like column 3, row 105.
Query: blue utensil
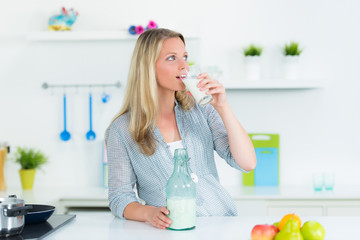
column 105, row 97
column 65, row 135
column 90, row 135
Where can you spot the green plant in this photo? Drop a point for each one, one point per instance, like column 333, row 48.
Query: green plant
column 29, row 158
column 292, row 49
column 252, row 50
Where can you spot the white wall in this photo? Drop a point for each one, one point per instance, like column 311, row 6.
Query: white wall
column 318, row 128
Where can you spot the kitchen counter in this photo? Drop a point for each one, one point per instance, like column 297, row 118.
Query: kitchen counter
column 106, row 226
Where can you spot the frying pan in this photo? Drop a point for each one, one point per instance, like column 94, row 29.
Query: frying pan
column 38, row 213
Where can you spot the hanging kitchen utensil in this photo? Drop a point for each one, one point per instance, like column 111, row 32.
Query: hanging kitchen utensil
column 65, row 135
column 105, row 97
column 90, row 135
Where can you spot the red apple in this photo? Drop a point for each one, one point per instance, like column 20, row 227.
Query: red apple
column 264, row 232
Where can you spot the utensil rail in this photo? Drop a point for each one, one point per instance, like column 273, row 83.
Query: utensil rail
column 46, row 85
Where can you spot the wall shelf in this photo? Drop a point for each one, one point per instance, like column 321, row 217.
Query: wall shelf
column 80, row 35
column 123, row 35
column 84, row 36
column 274, row 84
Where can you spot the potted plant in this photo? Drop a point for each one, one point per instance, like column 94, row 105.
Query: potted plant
column 252, row 55
column 291, row 60
column 29, row 159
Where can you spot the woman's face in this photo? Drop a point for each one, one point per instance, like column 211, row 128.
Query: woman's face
column 170, row 65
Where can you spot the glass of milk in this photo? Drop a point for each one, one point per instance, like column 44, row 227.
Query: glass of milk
column 190, row 80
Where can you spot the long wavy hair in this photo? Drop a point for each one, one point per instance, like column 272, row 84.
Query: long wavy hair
column 141, row 99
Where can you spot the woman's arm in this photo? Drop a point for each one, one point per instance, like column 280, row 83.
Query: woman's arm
column 144, row 213
column 241, row 147
column 122, row 178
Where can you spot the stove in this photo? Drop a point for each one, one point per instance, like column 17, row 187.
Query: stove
column 38, row 231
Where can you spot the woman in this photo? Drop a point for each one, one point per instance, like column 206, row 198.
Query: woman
column 158, row 117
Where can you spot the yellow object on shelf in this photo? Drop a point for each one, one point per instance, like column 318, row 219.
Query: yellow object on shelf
column 27, row 177
column 3, row 153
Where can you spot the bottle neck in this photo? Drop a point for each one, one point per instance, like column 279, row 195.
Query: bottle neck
column 180, row 166
column 180, row 161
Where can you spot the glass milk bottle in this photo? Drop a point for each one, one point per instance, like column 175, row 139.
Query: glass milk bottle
column 181, row 194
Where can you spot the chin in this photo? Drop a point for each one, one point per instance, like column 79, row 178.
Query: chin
column 180, row 88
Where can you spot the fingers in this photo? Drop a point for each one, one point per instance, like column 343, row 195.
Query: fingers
column 215, row 90
column 206, row 81
column 203, row 75
column 212, row 86
column 164, row 210
column 160, row 220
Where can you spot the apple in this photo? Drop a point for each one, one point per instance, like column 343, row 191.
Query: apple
column 264, row 232
column 312, row 230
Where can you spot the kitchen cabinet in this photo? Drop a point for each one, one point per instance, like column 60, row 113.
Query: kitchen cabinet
column 278, row 201
column 298, row 209
column 315, row 207
column 250, row 201
column 342, row 210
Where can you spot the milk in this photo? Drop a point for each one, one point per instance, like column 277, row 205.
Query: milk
column 200, row 96
column 182, row 212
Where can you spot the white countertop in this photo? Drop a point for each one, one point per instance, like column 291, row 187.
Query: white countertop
column 105, row 226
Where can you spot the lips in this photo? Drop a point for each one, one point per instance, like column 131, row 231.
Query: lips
column 181, row 77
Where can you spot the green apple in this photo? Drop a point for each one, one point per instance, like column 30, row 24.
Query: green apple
column 276, row 224
column 312, row 230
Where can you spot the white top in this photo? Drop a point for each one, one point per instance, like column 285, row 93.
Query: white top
column 175, row 145
column 105, row 226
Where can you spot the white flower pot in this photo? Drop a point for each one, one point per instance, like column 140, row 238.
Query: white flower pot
column 252, row 68
column 291, row 67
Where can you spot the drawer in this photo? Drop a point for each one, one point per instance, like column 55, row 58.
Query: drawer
column 250, row 207
column 343, row 211
column 299, row 210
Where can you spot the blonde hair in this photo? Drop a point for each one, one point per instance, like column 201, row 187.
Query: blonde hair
column 141, row 99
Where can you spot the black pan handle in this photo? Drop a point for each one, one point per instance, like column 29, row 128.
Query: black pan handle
column 18, row 211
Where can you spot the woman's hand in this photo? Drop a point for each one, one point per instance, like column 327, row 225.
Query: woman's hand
column 214, row 88
column 157, row 217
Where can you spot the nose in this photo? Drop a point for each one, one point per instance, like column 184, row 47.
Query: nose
column 183, row 65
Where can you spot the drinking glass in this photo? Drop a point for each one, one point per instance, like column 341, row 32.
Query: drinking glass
column 318, row 181
column 190, row 80
column 329, row 180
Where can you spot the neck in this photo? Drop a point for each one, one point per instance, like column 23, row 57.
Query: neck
column 166, row 102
